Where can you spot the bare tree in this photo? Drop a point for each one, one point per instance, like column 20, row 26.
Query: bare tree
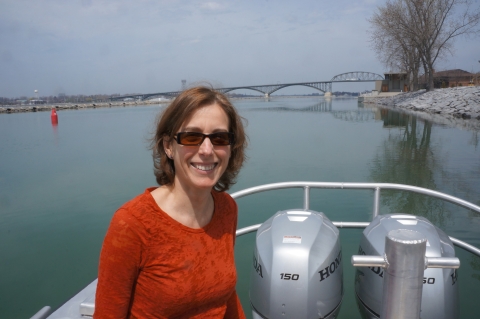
column 415, row 32
column 394, row 51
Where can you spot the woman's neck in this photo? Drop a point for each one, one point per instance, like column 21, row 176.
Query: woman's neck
column 192, row 208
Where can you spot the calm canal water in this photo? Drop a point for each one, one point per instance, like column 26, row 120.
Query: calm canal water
column 59, row 186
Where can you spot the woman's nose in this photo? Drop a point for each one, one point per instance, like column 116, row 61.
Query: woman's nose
column 206, row 148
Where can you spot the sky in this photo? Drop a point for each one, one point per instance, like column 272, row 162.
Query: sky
column 147, row 46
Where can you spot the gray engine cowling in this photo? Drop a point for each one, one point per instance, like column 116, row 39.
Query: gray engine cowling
column 297, row 267
column 440, row 287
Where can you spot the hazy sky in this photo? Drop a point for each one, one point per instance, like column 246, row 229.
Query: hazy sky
column 145, row 46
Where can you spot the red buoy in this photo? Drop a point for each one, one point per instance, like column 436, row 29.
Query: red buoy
column 54, row 116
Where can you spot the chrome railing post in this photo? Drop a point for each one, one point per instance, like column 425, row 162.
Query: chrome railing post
column 404, row 263
column 376, row 202
column 306, row 197
column 403, row 281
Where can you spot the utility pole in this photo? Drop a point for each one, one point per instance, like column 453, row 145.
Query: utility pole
column 478, row 75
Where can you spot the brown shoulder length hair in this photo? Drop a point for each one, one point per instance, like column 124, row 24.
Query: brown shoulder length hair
column 172, row 118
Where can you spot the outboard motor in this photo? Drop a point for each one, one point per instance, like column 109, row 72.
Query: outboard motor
column 297, row 267
column 440, row 287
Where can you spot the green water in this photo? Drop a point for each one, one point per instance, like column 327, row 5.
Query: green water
column 59, row 186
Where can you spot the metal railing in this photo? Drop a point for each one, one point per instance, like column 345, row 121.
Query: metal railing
column 376, row 187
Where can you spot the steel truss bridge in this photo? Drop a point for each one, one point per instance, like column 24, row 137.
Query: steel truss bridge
column 268, row 89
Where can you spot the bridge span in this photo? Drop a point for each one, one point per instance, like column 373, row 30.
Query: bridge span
column 268, row 89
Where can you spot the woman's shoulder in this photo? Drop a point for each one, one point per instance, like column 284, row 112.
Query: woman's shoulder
column 143, row 199
column 226, row 213
column 225, row 203
column 139, row 209
column 140, row 202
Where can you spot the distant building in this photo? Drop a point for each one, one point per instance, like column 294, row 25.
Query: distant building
column 36, row 102
column 398, row 82
column 451, row 78
column 394, row 82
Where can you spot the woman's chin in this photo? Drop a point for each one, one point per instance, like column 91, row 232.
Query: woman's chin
column 202, row 183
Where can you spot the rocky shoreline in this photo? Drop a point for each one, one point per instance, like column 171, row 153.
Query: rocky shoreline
column 458, row 106
column 72, row 106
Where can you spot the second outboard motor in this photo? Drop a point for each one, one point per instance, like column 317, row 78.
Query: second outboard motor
column 297, row 267
column 440, row 286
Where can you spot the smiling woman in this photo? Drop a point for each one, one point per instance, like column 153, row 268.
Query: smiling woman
column 170, row 251
column 174, row 120
column 200, row 166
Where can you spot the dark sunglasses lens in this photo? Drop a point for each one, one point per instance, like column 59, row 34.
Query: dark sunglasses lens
column 222, row 138
column 190, row 138
column 194, row 138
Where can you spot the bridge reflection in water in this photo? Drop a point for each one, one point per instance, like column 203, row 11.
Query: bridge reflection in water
column 359, row 115
column 322, row 106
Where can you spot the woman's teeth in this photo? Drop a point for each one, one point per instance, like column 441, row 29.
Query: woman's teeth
column 204, row 167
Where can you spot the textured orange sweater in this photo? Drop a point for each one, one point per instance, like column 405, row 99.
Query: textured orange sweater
column 151, row 266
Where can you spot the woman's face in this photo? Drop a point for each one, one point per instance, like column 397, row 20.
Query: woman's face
column 200, row 167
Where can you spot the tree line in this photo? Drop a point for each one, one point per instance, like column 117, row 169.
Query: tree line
column 412, row 35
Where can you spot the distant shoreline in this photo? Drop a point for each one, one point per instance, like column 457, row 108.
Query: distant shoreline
column 8, row 109
column 72, row 106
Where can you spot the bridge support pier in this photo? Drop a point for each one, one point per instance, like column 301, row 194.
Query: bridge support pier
column 267, row 96
column 328, row 94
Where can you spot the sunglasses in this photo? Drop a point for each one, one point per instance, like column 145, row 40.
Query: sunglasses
column 196, row 138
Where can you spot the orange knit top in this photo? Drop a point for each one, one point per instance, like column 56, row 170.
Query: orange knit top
column 151, row 266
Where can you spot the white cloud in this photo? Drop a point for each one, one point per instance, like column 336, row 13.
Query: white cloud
column 214, row 6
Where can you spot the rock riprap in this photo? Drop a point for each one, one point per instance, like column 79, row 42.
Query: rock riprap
column 459, row 102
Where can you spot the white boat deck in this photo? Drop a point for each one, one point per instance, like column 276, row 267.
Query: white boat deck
column 71, row 309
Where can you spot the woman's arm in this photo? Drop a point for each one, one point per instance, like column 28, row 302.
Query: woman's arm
column 120, row 261
column 234, row 308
